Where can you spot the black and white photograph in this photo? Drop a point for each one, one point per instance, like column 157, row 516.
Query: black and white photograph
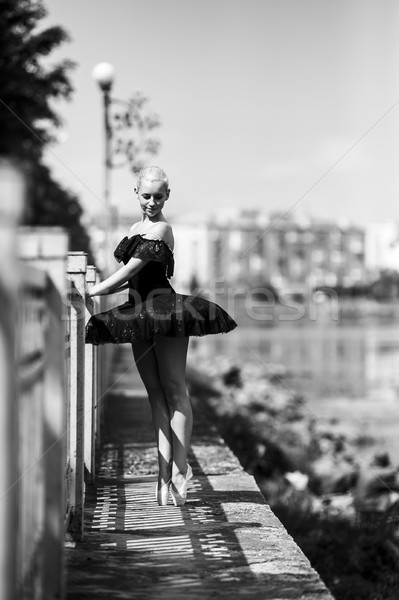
column 199, row 292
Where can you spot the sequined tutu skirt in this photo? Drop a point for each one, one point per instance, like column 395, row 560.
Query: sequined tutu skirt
column 170, row 315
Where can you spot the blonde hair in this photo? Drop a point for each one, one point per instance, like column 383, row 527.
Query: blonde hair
column 152, row 173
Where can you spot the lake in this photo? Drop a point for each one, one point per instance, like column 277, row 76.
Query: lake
column 347, row 370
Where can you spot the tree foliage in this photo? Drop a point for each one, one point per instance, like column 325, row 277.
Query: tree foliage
column 50, row 204
column 28, row 119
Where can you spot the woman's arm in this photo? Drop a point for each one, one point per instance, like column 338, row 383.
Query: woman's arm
column 116, row 281
column 122, row 287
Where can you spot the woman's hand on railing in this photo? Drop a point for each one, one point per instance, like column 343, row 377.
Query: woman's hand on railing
column 92, row 291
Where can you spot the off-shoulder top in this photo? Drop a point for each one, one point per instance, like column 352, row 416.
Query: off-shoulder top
column 158, row 270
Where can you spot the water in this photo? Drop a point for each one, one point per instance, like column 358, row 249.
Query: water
column 347, row 371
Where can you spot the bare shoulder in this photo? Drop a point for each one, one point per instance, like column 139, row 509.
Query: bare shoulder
column 163, row 231
column 134, row 229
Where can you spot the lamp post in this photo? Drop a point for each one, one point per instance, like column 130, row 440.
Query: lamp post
column 103, row 74
column 131, row 118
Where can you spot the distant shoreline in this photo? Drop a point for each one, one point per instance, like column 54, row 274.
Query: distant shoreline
column 249, row 310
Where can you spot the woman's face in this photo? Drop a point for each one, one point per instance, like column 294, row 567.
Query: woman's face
column 152, row 196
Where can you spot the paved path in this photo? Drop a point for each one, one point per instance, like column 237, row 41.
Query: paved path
column 224, row 543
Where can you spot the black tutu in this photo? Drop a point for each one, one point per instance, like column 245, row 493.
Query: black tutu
column 154, row 308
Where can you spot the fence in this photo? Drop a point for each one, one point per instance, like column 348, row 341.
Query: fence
column 87, row 369
column 50, row 383
column 40, row 444
column 58, row 422
column 11, row 201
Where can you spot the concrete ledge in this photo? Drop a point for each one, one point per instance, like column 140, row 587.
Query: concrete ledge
column 270, row 552
column 224, row 543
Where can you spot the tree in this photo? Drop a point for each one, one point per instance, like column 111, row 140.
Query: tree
column 386, row 287
column 50, row 204
column 28, row 120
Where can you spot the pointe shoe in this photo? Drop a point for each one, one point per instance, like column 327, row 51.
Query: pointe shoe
column 179, row 494
column 162, row 494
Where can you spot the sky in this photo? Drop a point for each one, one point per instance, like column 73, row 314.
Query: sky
column 283, row 105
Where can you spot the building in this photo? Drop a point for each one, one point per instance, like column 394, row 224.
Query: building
column 251, row 248
column 382, row 247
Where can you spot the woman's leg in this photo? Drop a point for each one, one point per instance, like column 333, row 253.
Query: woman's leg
column 171, row 356
column 147, row 366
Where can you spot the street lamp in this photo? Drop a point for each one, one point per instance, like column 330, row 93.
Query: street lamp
column 132, row 118
column 103, row 74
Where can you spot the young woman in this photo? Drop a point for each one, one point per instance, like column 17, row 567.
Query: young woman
column 158, row 323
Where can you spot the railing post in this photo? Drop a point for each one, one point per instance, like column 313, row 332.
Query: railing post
column 54, row 446
column 76, row 273
column 101, row 379
column 11, row 204
column 90, row 387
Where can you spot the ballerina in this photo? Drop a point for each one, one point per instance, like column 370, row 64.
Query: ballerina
column 157, row 322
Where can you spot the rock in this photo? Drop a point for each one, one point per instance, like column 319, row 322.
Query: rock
column 331, row 475
column 298, row 480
